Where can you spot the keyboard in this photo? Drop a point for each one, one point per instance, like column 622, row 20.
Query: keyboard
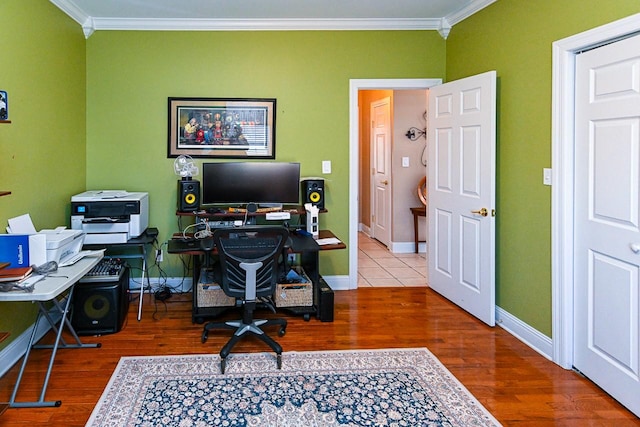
column 107, row 270
column 250, row 243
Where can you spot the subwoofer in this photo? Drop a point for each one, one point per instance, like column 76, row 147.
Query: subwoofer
column 188, row 195
column 100, row 307
column 312, row 191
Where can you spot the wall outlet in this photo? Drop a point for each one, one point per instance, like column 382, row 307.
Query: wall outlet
column 291, row 259
column 159, row 255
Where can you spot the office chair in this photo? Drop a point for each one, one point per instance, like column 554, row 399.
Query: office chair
column 249, row 267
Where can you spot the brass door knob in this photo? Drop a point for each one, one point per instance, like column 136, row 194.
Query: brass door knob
column 483, row 212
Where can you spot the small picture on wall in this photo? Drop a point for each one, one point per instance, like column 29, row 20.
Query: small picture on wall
column 4, row 106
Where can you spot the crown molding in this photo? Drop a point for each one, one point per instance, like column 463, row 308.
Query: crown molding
column 466, row 12
column 91, row 24
column 264, row 24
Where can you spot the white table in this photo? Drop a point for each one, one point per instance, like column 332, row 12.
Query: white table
column 51, row 289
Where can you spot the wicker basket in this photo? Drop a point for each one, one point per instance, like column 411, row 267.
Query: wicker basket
column 295, row 294
column 210, row 294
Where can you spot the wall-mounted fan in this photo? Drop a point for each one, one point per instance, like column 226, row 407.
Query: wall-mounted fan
column 185, row 167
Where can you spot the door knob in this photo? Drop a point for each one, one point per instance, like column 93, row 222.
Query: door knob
column 385, row 182
column 485, row 212
column 635, row 247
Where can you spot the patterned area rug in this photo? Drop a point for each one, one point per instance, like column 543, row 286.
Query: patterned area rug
column 400, row 387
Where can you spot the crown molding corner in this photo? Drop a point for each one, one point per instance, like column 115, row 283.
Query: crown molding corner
column 467, row 11
column 88, row 28
column 445, row 28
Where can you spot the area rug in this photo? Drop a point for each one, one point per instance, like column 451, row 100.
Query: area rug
column 391, row 387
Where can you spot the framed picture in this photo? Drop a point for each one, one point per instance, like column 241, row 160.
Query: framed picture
column 223, row 128
column 4, row 106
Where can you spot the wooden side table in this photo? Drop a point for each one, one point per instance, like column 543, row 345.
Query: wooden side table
column 417, row 212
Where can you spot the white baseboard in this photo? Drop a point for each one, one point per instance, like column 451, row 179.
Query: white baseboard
column 337, row 283
column 525, row 333
column 407, row 247
column 14, row 351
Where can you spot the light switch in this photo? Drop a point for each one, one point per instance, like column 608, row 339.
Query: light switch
column 405, row 162
column 546, row 176
column 326, row 166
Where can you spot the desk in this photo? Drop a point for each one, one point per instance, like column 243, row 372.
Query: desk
column 50, row 289
column 306, row 246
column 118, row 250
column 421, row 211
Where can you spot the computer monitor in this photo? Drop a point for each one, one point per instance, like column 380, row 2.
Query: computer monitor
column 242, row 183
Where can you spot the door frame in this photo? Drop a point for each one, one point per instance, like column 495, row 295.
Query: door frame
column 562, row 181
column 356, row 85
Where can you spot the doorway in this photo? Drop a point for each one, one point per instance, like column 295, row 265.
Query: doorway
column 355, row 86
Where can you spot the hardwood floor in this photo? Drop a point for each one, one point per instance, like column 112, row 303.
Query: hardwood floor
column 517, row 385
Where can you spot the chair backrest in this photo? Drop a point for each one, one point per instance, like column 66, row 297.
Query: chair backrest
column 249, row 252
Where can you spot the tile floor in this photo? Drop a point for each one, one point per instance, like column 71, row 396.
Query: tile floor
column 378, row 267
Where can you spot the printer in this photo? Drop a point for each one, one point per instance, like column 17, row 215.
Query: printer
column 110, row 216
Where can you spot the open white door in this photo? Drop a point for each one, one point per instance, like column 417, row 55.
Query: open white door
column 381, row 170
column 461, row 192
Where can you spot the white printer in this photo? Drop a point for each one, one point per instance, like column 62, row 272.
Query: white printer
column 110, row 216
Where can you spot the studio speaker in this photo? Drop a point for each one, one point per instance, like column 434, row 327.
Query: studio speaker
column 188, row 195
column 312, row 192
column 101, row 307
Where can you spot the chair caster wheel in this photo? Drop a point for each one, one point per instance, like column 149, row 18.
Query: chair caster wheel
column 307, row 317
column 282, row 331
column 205, row 335
column 223, row 365
column 279, row 361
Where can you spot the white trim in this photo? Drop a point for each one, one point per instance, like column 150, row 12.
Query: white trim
column 17, row 348
column 442, row 25
column 337, row 283
column 356, row 85
column 525, row 333
column 264, row 24
column 562, row 181
column 463, row 14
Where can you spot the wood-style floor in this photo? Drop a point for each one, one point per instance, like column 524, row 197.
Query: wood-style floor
column 517, row 385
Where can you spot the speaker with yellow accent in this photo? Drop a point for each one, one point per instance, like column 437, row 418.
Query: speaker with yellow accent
column 312, row 192
column 188, row 195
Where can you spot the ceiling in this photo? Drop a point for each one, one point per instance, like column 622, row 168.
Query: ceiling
column 246, row 15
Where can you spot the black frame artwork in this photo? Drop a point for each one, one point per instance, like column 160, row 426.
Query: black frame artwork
column 222, row 127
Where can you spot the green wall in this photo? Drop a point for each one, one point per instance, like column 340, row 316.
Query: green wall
column 42, row 151
column 130, row 75
column 515, row 39
column 54, row 148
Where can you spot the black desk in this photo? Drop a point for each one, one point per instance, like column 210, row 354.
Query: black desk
column 306, row 246
column 118, row 250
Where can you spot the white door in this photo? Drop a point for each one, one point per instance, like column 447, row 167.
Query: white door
column 607, row 219
column 381, row 170
column 461, row 192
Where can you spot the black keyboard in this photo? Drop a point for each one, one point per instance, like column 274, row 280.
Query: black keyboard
column 250, row 243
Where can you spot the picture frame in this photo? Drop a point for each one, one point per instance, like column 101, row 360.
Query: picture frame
column 222, row 127
column 4, row 105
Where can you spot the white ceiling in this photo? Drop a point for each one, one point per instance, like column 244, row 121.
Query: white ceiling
column 238, row 15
